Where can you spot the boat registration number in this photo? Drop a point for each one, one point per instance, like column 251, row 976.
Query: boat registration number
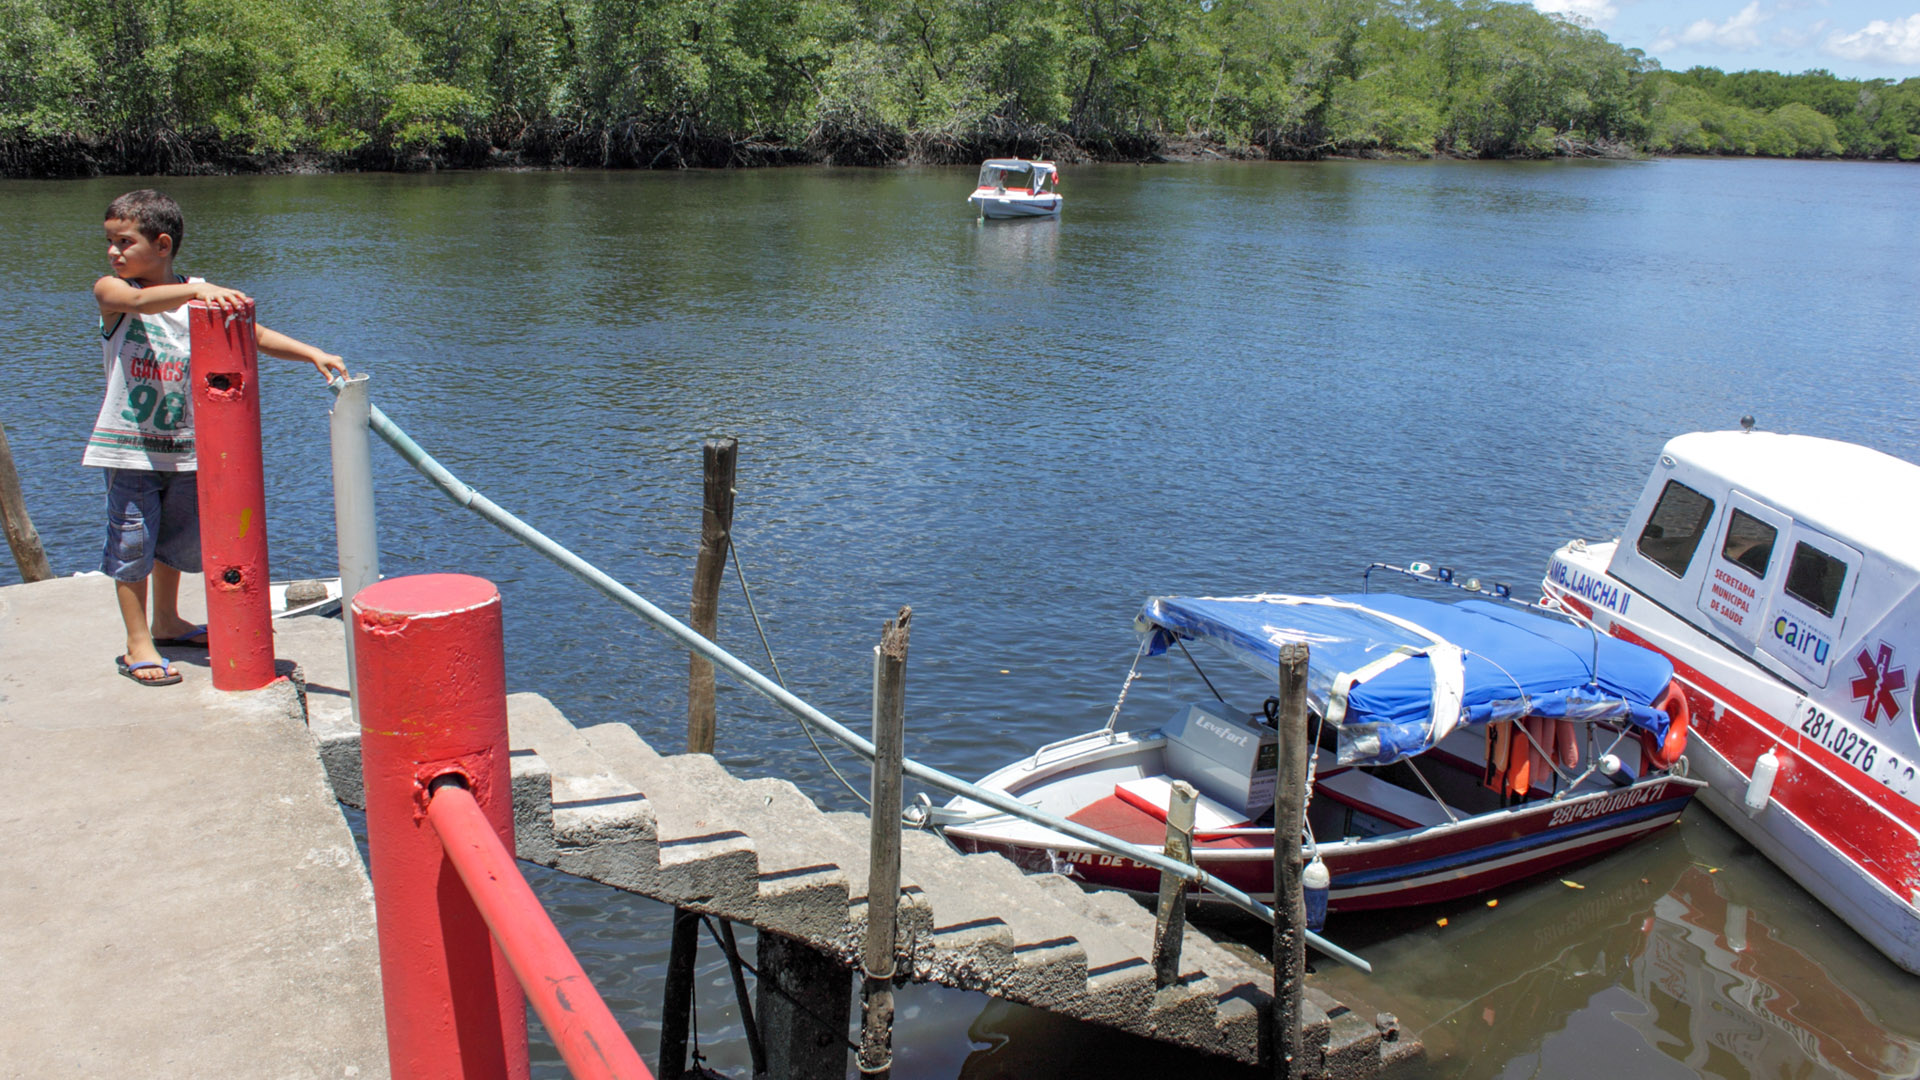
column 1857, row 750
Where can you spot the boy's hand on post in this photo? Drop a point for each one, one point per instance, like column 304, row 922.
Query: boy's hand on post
column 330, row 366
column 221, row 298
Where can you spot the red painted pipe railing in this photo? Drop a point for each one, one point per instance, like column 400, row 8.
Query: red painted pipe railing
column 233, row 499
column 455, row 917
column 582, row 1027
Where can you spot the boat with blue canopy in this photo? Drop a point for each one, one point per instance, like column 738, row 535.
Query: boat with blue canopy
column 1457, row 747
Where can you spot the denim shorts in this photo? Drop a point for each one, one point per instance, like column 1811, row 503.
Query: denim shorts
column 151, row 515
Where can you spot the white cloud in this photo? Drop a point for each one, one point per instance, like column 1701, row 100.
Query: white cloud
column 1799, row 37
column 1740, row 33
column 1598, row 13
column 1881, row 42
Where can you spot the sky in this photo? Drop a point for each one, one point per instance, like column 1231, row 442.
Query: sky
column 1851, row 38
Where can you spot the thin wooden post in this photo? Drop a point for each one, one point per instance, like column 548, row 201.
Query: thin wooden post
column 756, row 1051
column 1289, row 899
column 883, row 864
column 677, row 1008
column 1171, row 923
column 716, row 523
column 21, row 537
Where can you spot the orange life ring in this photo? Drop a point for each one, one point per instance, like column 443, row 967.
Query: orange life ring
column 1662, row 755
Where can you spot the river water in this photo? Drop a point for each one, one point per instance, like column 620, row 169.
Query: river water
column 1213, row 378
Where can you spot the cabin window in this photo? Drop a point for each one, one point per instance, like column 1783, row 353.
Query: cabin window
column 1749, row 543
column 1814, row 578
column 1673, row 530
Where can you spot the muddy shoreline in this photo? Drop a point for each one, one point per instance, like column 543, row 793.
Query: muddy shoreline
column 649, row 147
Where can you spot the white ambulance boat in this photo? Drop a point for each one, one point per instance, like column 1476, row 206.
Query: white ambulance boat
column 1781, row 575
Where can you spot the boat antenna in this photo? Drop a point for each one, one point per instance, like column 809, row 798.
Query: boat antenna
column 1746, row 422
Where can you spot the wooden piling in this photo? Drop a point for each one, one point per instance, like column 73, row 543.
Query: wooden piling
column 676, row 1011
column 1171, row 923
column 883, row 863
column 1289, row 898
column 716, row 525
column 21, row 537
column 804, row 1004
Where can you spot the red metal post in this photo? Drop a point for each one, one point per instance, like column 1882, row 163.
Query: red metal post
column 233, row 499
column 583, row 1029
column 433, row 701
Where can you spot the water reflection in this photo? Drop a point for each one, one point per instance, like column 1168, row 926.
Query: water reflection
column 1667, row 959
column 1721, row 979
column 1016, row 247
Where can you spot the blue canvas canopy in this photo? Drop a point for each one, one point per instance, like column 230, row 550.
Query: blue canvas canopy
column 1396, row 674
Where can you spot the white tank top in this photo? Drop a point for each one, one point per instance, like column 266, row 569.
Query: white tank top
column 146, row 420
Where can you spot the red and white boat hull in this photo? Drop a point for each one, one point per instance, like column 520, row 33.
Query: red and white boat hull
column 1839, row 817
column 1422, row 863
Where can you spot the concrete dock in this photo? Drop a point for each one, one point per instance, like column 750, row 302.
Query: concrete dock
column 181, row 895
column 184, row 896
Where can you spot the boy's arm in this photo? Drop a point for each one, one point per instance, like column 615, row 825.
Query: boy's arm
column 279, row 345
column 115, row 296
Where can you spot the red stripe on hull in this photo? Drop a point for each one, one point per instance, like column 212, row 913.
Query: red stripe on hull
column 1501, row 838
column 1809, row 787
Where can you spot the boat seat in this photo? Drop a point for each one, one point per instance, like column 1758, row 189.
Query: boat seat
column 1152, row 794
column 1366, row 792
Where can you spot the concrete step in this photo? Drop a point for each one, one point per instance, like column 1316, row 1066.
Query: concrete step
column 810, row 879
column 601, row 804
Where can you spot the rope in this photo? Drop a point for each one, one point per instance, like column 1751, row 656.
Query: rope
column 806, row 729
column 1133, row 673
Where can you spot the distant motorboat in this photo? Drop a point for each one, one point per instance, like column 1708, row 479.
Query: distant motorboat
column 1016, row 188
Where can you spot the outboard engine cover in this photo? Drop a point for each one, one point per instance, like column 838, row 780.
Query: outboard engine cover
column 1231, row 757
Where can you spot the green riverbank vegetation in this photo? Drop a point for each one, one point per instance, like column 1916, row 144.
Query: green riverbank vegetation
column 172, row 86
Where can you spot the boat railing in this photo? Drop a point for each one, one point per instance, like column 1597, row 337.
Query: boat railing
column 1107, row 733
column 359, row 566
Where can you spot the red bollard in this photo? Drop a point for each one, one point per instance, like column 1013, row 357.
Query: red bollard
column 233, row 499
column 433, row 701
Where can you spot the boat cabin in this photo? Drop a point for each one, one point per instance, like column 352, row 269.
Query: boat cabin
column 1799, row 553
column 1018, row 176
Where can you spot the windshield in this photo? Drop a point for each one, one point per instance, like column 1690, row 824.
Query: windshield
column 994, row 176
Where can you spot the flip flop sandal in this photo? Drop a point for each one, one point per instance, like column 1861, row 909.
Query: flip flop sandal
column 128, row 670
column 195, row 639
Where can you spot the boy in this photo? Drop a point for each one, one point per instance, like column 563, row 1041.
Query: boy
column 144, row 434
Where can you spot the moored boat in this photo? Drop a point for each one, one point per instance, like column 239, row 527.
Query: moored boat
column 1457, row 747
column 1015, row 188
column 1781, row 575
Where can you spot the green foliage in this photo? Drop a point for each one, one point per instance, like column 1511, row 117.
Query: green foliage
column 172, row 84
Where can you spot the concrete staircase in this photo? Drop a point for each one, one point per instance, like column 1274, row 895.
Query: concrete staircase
column 600, row 803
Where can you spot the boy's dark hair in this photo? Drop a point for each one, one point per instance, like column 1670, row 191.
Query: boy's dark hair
column 154, row 211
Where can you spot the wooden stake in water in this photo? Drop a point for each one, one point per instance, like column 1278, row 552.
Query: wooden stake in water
column 676, row 1010
column 21, row 537
column 716, row 526
column 883, row 865
column 1289, row 898
column 1171, row 923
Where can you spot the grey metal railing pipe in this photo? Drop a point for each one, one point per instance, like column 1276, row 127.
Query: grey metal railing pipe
column 465, row 495
column 354, row 525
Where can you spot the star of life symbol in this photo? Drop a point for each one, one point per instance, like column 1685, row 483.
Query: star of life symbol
column 1879, row 680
